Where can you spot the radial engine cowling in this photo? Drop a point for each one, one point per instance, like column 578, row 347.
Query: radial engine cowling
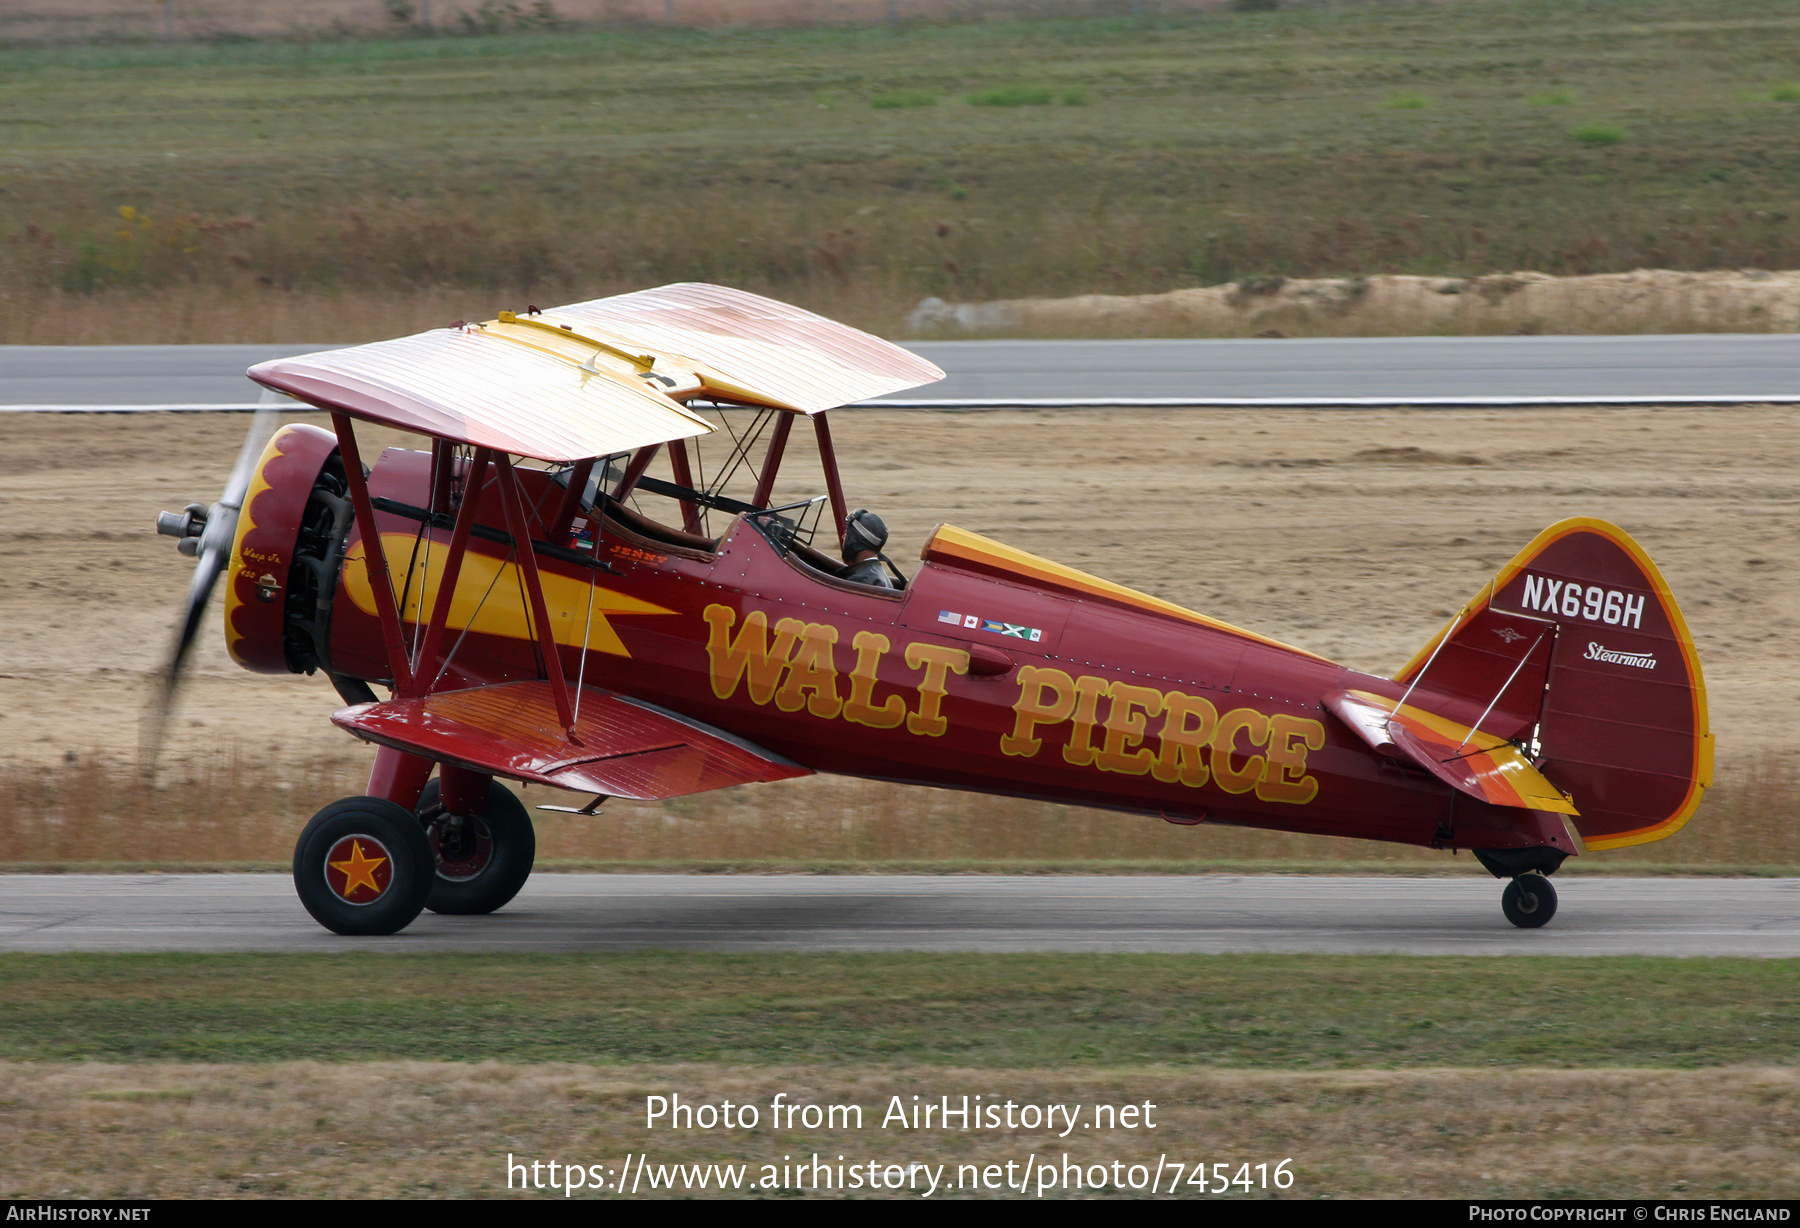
column 289, row 535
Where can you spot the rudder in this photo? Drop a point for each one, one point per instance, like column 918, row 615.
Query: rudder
column 1578, row 646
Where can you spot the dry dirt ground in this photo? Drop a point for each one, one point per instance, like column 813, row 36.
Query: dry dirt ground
column 428, row 1129
column 1351, row 533
column 1645, row 300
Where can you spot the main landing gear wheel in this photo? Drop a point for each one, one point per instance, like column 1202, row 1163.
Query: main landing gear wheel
column 363, row 866
column 481, row 859
column 1529, row 901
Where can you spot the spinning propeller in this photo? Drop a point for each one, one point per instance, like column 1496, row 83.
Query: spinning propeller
column 205, row 534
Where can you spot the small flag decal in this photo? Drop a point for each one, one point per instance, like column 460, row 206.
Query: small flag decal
column 994, row 626
column 1016, row 631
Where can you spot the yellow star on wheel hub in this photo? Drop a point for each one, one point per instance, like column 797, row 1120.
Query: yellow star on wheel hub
column 358, row 871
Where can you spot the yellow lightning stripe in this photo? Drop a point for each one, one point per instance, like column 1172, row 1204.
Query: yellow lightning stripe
column 503, row 613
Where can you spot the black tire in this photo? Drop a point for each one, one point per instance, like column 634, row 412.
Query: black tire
column 479, row 865
column 1529, row 901
column 363, row 866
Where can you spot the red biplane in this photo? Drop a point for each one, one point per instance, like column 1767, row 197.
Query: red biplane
column 538, row 619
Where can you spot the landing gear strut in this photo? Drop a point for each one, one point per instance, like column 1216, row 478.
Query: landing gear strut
column 482, row 859
column 1529, row 901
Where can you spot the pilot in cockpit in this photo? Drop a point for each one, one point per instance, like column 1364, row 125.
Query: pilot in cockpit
column 864, row 536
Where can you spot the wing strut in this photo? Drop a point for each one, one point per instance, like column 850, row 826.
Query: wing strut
column 765, row 479
column 571, row 500
column 534, row 590
column 834, row 485
column 684, row 476
column 374, row 557
column 640, row 461
column 425, row 669
column 420, row 676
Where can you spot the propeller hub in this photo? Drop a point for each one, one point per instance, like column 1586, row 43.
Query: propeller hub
column 186, row 526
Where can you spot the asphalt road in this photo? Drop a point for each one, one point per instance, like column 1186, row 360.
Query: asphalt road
column 1192, row 914
column 1722, row 368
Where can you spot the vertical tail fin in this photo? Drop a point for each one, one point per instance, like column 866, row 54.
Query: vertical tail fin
column 1578, row 647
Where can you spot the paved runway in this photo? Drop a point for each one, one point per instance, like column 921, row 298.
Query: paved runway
column 1192, row 914
column 1327, row 371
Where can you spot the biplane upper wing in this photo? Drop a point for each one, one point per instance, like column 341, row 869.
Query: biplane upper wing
column 750, row 348
column 601, row 377
column 622, row 747
column 482, row 386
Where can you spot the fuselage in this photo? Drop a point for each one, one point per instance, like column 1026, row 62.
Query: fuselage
column 986, row 673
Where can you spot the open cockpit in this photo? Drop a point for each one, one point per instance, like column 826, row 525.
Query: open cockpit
column 638, row 498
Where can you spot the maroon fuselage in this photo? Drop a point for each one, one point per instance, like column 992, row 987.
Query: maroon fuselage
column 972, row 678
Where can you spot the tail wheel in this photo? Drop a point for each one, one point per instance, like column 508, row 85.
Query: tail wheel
column 480, row 860
column 362, row 866
column 1529, row 901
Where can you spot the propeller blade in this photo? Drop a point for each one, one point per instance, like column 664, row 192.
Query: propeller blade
column 214, row 552
column 210, row 565
column 255, row 440
column 212, row 557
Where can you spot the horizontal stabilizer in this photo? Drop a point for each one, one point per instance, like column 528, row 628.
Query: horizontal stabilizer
column 1482, row 765
column 622, row 748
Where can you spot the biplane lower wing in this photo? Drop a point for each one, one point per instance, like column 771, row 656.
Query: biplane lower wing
column 621, row 748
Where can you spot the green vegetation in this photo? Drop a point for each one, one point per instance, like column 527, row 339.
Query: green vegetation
column 1012, row 96
column 1215, row 147
column 1409, row 102
column 1598, row 134
column 901, row 99
column 1552, row 98
column 1591, row 867
column 1098, row 1011
column 1787, row 92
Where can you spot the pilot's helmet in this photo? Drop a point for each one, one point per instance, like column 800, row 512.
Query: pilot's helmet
column 863, row 530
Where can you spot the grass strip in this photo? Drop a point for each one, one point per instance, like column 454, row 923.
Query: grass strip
column 1122, row 155
column 359, row 1129
column 999, row 1011
column 1400, row 869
